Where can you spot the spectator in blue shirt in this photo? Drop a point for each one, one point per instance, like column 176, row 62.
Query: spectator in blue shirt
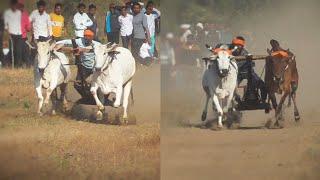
column 112, row 27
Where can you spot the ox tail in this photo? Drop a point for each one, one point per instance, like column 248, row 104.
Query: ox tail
column 131, row 96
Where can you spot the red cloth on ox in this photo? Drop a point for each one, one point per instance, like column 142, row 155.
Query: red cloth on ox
column 217, row 50
column 280, row 53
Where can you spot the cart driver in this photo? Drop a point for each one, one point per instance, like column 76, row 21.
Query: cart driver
column 84, row 60
column 238, row 43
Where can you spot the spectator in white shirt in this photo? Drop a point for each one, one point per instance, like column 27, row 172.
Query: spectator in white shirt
column 126, row 27
column 12, row 22
column 151, row 19
column 81, row 21
column 41, row 23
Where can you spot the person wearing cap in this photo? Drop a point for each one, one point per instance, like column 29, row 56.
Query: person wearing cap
column 41, row 23
column 185, row 32
column 238, row 43
column 86, row 60
column 81, row 21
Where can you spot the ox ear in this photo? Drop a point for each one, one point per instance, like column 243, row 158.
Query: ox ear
column 269, row 51
column 52, row 45
column 111, row 47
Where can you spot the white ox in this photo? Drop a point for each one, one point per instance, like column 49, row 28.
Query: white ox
column 114, row 70
column 219, row 82
column 51, row 71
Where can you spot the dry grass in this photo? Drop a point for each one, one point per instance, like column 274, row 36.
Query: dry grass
column 56, row 147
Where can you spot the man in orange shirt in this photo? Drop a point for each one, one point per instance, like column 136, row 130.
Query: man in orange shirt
column 57, row 22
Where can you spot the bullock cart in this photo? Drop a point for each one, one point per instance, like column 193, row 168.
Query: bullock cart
column 248, row 95
column 85, row 108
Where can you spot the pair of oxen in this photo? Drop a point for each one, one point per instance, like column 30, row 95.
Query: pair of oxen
column 114, row 68
column 220, row 81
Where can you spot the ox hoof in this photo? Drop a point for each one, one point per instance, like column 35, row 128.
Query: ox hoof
column 279, row 124
column 296, row 117
column 116, row 105
column 217, row 128
column 268, row 124
column 204, row 116
column 125, row 121
column 99, row 116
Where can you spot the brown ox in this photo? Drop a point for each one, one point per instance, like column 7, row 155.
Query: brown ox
column 281, row 77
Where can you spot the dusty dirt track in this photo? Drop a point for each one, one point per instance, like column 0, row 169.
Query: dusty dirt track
column 188, row 152
column 253, row 152
column 57, row 147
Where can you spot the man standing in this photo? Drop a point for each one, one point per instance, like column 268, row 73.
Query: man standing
column 1, row 39
column 81, row 21
column 151, row 20
column 12, row 19
column 125, row 21
column 57, row 22
column 112, row 24
column 246, row 66
column 41, row 23
column 92, row 16
column 140, row 31
column 25, row 28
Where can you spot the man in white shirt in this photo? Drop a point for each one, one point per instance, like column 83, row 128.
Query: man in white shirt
column 126, row 27
column 81, row 21
column 12, row 22
column 151, row 18
column 41, row 23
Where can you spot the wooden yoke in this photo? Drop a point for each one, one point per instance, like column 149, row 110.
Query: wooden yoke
column 252, row 58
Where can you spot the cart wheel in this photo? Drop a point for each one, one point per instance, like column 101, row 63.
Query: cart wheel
column 234, row 119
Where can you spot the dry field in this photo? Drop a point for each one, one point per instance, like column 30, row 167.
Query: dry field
column 58, row 147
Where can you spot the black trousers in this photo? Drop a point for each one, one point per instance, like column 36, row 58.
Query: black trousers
column 126, row 40
column 81, row 84
column 26, row 58
column 135, row 49
column 1, row 49
column 256, row 82
column 113, row 37
column 16, row 43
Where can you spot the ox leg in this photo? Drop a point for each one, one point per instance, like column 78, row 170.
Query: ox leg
column 279, row 108
column 40, row 99
column 126, row 94
column 273, row 100
column 205, row 110
column 98, row 102
column 219, row 109
column 229, row 103
column 63, row 98
column 296, row 111
column 117, row 102
column 289, row 99
column 54, row 99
